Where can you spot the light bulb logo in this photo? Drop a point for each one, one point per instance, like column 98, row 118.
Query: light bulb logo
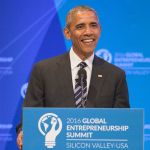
column 50, row 125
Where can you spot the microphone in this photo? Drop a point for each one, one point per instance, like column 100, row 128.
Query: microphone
column 82, row 76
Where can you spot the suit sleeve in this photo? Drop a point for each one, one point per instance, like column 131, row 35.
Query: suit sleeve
column 35, row 91
column 121, row 93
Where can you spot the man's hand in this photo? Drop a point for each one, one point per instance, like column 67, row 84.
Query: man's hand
column 20, row 140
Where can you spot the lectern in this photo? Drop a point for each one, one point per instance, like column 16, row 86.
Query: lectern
column 82, row 129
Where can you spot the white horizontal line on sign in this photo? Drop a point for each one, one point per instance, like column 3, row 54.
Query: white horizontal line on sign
column 122, row 140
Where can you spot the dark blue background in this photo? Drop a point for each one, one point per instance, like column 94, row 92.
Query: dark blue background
column 32, row 30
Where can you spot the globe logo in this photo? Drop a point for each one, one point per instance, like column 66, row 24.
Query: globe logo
column 50, row 125
column 24, row 89
column 105, row 54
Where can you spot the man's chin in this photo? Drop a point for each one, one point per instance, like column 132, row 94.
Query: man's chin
column 88, row 53
column 88, row 50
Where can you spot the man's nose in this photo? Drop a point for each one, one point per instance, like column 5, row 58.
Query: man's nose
column 88, row 31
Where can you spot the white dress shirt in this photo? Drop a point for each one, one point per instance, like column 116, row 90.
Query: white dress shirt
column 75, row 60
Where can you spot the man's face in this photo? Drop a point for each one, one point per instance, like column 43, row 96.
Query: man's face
column 84, row 31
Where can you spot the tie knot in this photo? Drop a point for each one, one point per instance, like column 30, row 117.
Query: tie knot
column 82, row 65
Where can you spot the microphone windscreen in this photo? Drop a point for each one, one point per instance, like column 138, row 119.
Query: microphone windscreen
column 82, row 73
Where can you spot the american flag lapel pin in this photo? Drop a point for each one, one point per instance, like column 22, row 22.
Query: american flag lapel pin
column 100, row 76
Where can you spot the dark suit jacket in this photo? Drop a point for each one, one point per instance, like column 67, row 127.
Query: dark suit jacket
column 51, row 85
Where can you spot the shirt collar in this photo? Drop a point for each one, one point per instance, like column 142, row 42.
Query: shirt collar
column 75, row 59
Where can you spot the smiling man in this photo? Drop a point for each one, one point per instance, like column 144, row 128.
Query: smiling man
column 77, row 78
column 83, row 29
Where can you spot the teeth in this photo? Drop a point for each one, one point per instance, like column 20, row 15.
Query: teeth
column 88, row 40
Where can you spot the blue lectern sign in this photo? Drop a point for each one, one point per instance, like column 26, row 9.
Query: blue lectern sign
column 87, row 129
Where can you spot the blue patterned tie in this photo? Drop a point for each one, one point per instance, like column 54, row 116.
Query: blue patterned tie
column 80, row 91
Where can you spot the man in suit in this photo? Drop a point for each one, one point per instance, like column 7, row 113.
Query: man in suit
column 53, row 81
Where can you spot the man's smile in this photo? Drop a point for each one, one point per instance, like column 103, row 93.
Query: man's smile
column 88, row 41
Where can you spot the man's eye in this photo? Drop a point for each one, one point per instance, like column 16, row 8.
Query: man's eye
column 79, row 27
column 94, row 25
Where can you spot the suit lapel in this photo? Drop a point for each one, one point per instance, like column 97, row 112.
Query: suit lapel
column 96, row 83
column 65, row 80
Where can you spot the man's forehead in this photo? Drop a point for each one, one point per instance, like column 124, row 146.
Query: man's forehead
column 83, row 13
column 78, row 15
column 84, row 16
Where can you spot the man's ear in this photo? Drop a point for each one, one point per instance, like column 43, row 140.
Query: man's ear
column 67, row 33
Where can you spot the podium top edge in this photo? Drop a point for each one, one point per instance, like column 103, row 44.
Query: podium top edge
column 64, row 108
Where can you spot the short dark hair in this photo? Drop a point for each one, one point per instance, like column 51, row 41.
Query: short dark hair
column 75, row 10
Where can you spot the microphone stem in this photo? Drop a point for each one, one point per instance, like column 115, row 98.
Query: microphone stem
column 82, row 88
